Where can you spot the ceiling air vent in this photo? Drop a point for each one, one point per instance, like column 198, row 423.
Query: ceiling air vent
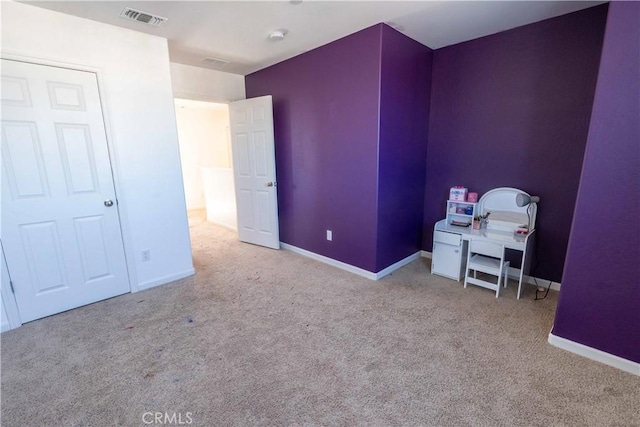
column 144, row 17
column 216, row 62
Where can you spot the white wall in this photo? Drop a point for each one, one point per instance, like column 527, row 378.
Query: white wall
column 135, row 81
column 203, row 84
column 220, row 196
column 203, row 131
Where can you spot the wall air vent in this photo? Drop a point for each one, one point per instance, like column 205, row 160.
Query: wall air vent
column 144, row 17
column 216, row 62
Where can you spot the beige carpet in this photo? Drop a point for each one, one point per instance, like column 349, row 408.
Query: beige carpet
column 265, row 337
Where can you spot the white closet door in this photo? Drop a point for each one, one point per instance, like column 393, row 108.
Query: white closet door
column 60, row 223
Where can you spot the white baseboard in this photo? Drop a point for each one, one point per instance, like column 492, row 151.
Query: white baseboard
column 595, row 354
column 426, row 254
column 166, row 279
column 348, row 267
column 393, row 267
column 514, row 273
column 223, row 225
column 330, row 261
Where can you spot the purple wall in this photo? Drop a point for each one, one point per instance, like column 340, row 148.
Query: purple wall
column 350, row 124
column 512, row 109
column 404, row 118
column 325, row 106
column 599, row 303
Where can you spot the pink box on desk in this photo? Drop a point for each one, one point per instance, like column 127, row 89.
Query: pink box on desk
column 458, row 194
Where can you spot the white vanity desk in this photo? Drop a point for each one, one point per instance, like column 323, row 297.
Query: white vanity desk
column 450, row 242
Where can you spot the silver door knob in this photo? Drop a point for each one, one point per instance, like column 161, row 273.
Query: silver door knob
column 108, row 203
column 269, row 184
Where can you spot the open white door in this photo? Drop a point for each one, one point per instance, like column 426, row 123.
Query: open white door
column 60, row 223
column 254, row 170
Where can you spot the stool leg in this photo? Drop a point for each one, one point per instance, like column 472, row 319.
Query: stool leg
column 506, row 272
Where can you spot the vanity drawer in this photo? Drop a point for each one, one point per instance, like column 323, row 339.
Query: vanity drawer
column 447, row 238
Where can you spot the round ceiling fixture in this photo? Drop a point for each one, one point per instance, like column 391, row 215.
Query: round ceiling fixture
column 278, row 35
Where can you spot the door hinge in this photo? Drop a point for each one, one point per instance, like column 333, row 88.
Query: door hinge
column 11, row 285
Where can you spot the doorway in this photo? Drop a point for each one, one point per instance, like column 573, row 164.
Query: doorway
column 207, row 165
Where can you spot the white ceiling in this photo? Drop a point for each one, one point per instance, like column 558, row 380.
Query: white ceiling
column 237, row 30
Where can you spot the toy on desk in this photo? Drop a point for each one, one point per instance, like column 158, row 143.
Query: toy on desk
column 462, row 194
column 458, row 193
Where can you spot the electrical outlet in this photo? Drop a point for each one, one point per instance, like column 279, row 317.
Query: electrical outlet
column 146, row 255
column 329, row 235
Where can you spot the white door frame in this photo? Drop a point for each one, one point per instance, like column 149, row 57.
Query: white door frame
column 113, row 158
